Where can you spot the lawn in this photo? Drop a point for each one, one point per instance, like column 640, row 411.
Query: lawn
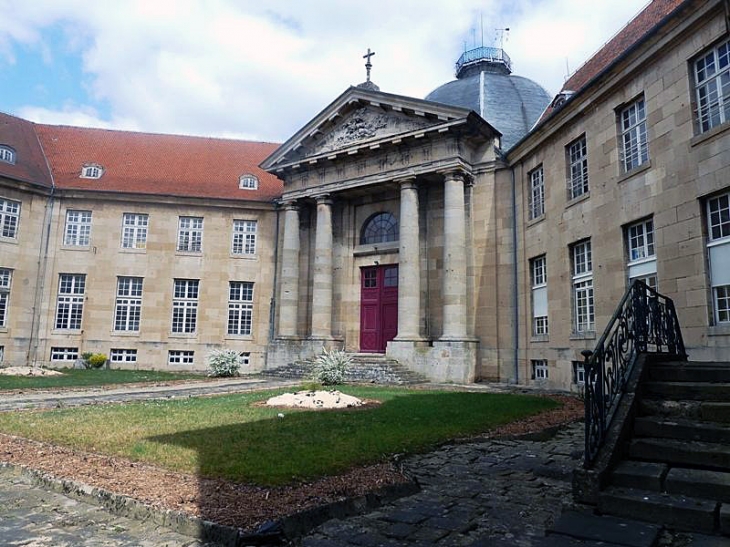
column 232, row 437
column 82, row 378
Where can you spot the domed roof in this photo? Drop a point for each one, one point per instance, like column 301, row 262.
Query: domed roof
column 484, row 83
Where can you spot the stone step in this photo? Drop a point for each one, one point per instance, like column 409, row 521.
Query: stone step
column 641, row 475
column 674, row 510
column 380, row 371
column 699, row 483
column 573, row 527
column 682, row 391
column 681, row 428
column 715, row 412
column 690, row 372
column 681, row 453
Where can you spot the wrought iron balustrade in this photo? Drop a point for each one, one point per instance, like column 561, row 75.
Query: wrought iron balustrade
column 484, row 53
column 644, row 322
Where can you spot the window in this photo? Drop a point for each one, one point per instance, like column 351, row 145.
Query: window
column 7, row 154
column 712, row 87
column 240, row 307
column 583, row 309
column 536, row 198
column 190, row 234
column 92, row 171
column 70, row 308
column 2, row 354
column 78, row 229
column 128, row 308
column 134, row 230
column 64, row 354
column 248, row 182
column 185, row 306
column 538, row 274
column 244, row 237
column 577, row 168
column 9, row 217
column 718, row 246
column 379, row 228
column 539, row 369
column 634, row 146
column 5, row 276
column 123, row 355
column 642, row 260
column 178, row 357
column 245, row 358
column 579, row 373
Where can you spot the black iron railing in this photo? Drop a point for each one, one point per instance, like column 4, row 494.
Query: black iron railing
column 644, row 322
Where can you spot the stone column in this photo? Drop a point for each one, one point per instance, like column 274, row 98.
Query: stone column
column 409, row 263
column 289, row 297
column 322, row 290
column 454, row 291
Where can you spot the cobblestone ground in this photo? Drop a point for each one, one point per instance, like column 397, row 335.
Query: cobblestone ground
column 493, row 492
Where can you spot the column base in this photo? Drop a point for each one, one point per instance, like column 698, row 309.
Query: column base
column 288, row 349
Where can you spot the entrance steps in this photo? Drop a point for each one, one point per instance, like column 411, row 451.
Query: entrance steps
column 366, row 368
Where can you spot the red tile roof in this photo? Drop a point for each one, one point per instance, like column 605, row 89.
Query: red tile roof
column 30, row 165
column 146, row 163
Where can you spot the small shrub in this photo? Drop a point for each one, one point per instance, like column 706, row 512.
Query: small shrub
column 85, row 358
column 96, row 360
column 330, row 367
column 223, row 363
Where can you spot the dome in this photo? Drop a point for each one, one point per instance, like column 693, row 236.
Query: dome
column 485, row 83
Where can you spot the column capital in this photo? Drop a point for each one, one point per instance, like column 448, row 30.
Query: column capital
column 323, row 199
column 290, row 205
column 454, row 173
column 406, row 183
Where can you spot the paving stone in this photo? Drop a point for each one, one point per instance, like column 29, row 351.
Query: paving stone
column 610, row 529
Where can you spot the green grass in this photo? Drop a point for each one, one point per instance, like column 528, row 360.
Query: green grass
column 229, row 437
column 81, row 378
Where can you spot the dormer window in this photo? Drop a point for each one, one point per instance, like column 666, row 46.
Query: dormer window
column 92, row 171
column 7, row 154
column 248, row 182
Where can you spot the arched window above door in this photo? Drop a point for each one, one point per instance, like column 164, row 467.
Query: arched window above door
column 379, row 228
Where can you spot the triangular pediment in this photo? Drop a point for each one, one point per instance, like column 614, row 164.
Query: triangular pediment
column 361, row 117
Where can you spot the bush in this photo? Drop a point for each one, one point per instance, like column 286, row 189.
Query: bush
column 223, row 363
column 93, row 360
column 330, row 366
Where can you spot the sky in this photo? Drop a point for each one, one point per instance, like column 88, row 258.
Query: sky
column 261, row 69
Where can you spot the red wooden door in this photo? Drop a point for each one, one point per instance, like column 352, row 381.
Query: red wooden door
column 378, row 307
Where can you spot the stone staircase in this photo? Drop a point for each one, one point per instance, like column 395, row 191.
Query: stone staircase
column 675, row 468
column 367, row 368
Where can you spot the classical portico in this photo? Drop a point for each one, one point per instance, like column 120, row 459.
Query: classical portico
column 375, row 210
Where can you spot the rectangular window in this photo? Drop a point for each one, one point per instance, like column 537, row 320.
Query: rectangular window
column 134, row 230
column 538, row 274
column 6, row 276
column 634, row 145
column 244, row 237
column 180, row 357
column 539, row 369
column 579, row 373
column 240, row 307
column 185, row 306
column 2, row 354
column 190, row 234
column 123, row 355
column 641, row 256
column 64, row 354
column 9, row 218
column 718, row 247
column 70, row 308
column 583, row 309
column 245, row 358
column 128, row 308
column 78, row 229
column 712, row 87
column 577, row 168
column 536, row 198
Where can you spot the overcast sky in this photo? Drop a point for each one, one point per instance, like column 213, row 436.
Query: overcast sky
column 260, row 69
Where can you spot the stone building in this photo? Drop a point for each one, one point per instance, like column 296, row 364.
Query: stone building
column 486, row 232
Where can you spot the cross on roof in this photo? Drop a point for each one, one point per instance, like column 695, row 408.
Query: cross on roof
column 368, row 64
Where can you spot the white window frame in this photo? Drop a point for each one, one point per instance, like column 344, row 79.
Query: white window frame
column 243, row 241
column 7, row 154
column 539, row 369
column 712, row 87
column 538, row 277
column 577, row 156
column 579, row 373
column 634, row 139
column 641, row 249
column 70, row 305
column 248, row 182
column 92, row 171
column 180, row 357
column 9, row 218
column 536, row 195
column 128, row 304
column 186, row 293
column 64, row 354
column 190, row 235
column 240, row 308
column 122, row 355
column 583, row 297
column 135, row 228
column 718, row 252
column 77, row 232
column 6, row 278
